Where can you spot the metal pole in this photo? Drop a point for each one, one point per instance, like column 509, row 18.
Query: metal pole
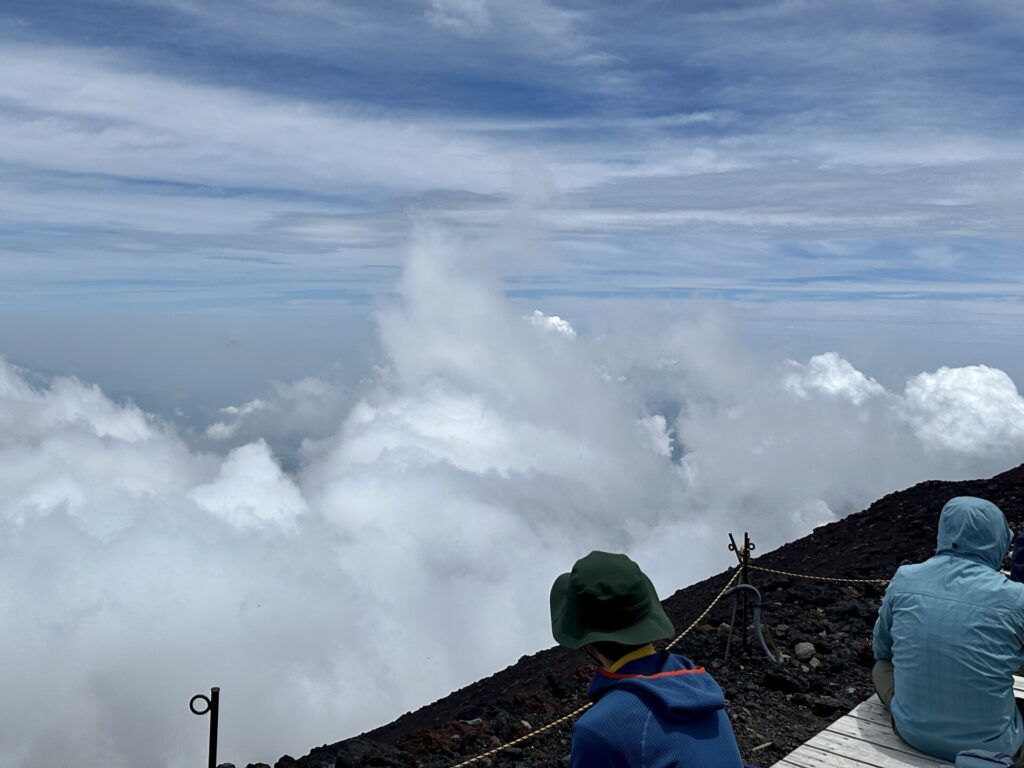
column 747, row 548
column 213, row 707
column 744, row 580
column 214, row 721
column 740, row 558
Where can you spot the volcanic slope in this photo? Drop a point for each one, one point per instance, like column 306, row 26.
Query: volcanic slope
column 773, row 707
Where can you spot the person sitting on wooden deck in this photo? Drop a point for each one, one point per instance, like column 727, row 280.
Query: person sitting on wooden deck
column 950, row 635
column 651, row 709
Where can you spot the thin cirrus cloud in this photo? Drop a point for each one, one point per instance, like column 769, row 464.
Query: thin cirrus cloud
column 746, row 133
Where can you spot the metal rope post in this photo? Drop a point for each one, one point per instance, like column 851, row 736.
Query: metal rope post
column 748, row 547
column 213, row 707
column 743, row 556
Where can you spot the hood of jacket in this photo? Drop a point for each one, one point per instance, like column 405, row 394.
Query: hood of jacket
column 973, row 528
column 668, row 683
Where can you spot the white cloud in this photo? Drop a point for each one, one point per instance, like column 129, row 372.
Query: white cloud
column 250, row 491
column 552, row 323
column 290, row 414
column 82, row 111
column 145, row 572
column 968, row 410
column 476, row 450
column 831, row 375
column 221, row 430
column 130, row 596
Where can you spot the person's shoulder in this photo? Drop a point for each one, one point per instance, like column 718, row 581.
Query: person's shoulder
column 910, row 572
column 1013, row 590
column 601, row 730
column 619, row 708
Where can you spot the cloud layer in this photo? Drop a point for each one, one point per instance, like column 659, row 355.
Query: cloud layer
column 489, row 451
column 271, row 152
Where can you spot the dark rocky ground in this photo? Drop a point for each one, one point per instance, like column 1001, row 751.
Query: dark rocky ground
column 773, row 707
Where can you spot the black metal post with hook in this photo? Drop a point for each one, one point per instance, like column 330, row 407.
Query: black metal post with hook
column 743, row 556
column 213, row 708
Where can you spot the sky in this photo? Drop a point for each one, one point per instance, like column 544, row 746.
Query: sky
column 176, row 168
column 320, row 320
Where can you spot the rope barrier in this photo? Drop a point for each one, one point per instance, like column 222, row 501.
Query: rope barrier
column 501, row 748
column 819, row 578
column 577, row 712
column 743, row 563
column 707, row 610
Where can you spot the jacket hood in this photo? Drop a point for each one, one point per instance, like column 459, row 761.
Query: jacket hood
column 667, row 682
column 973, row 528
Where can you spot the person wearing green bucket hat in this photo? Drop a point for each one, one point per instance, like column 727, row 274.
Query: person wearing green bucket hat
column 651, row 709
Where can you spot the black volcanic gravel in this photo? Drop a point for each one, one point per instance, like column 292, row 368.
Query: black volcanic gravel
column 774, row 708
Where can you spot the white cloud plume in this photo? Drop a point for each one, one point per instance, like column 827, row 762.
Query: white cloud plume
column 969, row 410
column 250, row 491
column 552, row 323
column 831, row 375
column 145, row 571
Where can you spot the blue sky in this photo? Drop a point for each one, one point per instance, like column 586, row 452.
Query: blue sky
column 808, row 163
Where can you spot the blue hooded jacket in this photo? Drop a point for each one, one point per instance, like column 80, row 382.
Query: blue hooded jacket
column 953, row 627
column 659, row 711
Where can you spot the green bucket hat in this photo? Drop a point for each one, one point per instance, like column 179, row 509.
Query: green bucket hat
column 606, row 597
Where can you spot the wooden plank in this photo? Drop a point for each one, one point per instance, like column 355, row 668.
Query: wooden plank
column 872, row 701
column 872, row 712
column 873, row 754
column 880, row 718
column 809, row 757
column 864, row 739
column 879, row 734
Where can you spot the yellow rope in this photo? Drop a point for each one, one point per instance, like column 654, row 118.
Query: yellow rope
column 707, row 610
column 577, row 712
column 819, row 578
column 554, row 724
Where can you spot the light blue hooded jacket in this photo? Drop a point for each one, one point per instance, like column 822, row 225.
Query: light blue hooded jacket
column 953, row 627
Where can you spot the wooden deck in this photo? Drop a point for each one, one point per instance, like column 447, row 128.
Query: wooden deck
column 864, row 739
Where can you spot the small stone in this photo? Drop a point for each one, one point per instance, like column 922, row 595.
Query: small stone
column 804, row 651
column 526, row 724
column 474, row 721
column 814, row 663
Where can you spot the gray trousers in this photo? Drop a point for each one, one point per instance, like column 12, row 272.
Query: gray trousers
column 884, row 680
